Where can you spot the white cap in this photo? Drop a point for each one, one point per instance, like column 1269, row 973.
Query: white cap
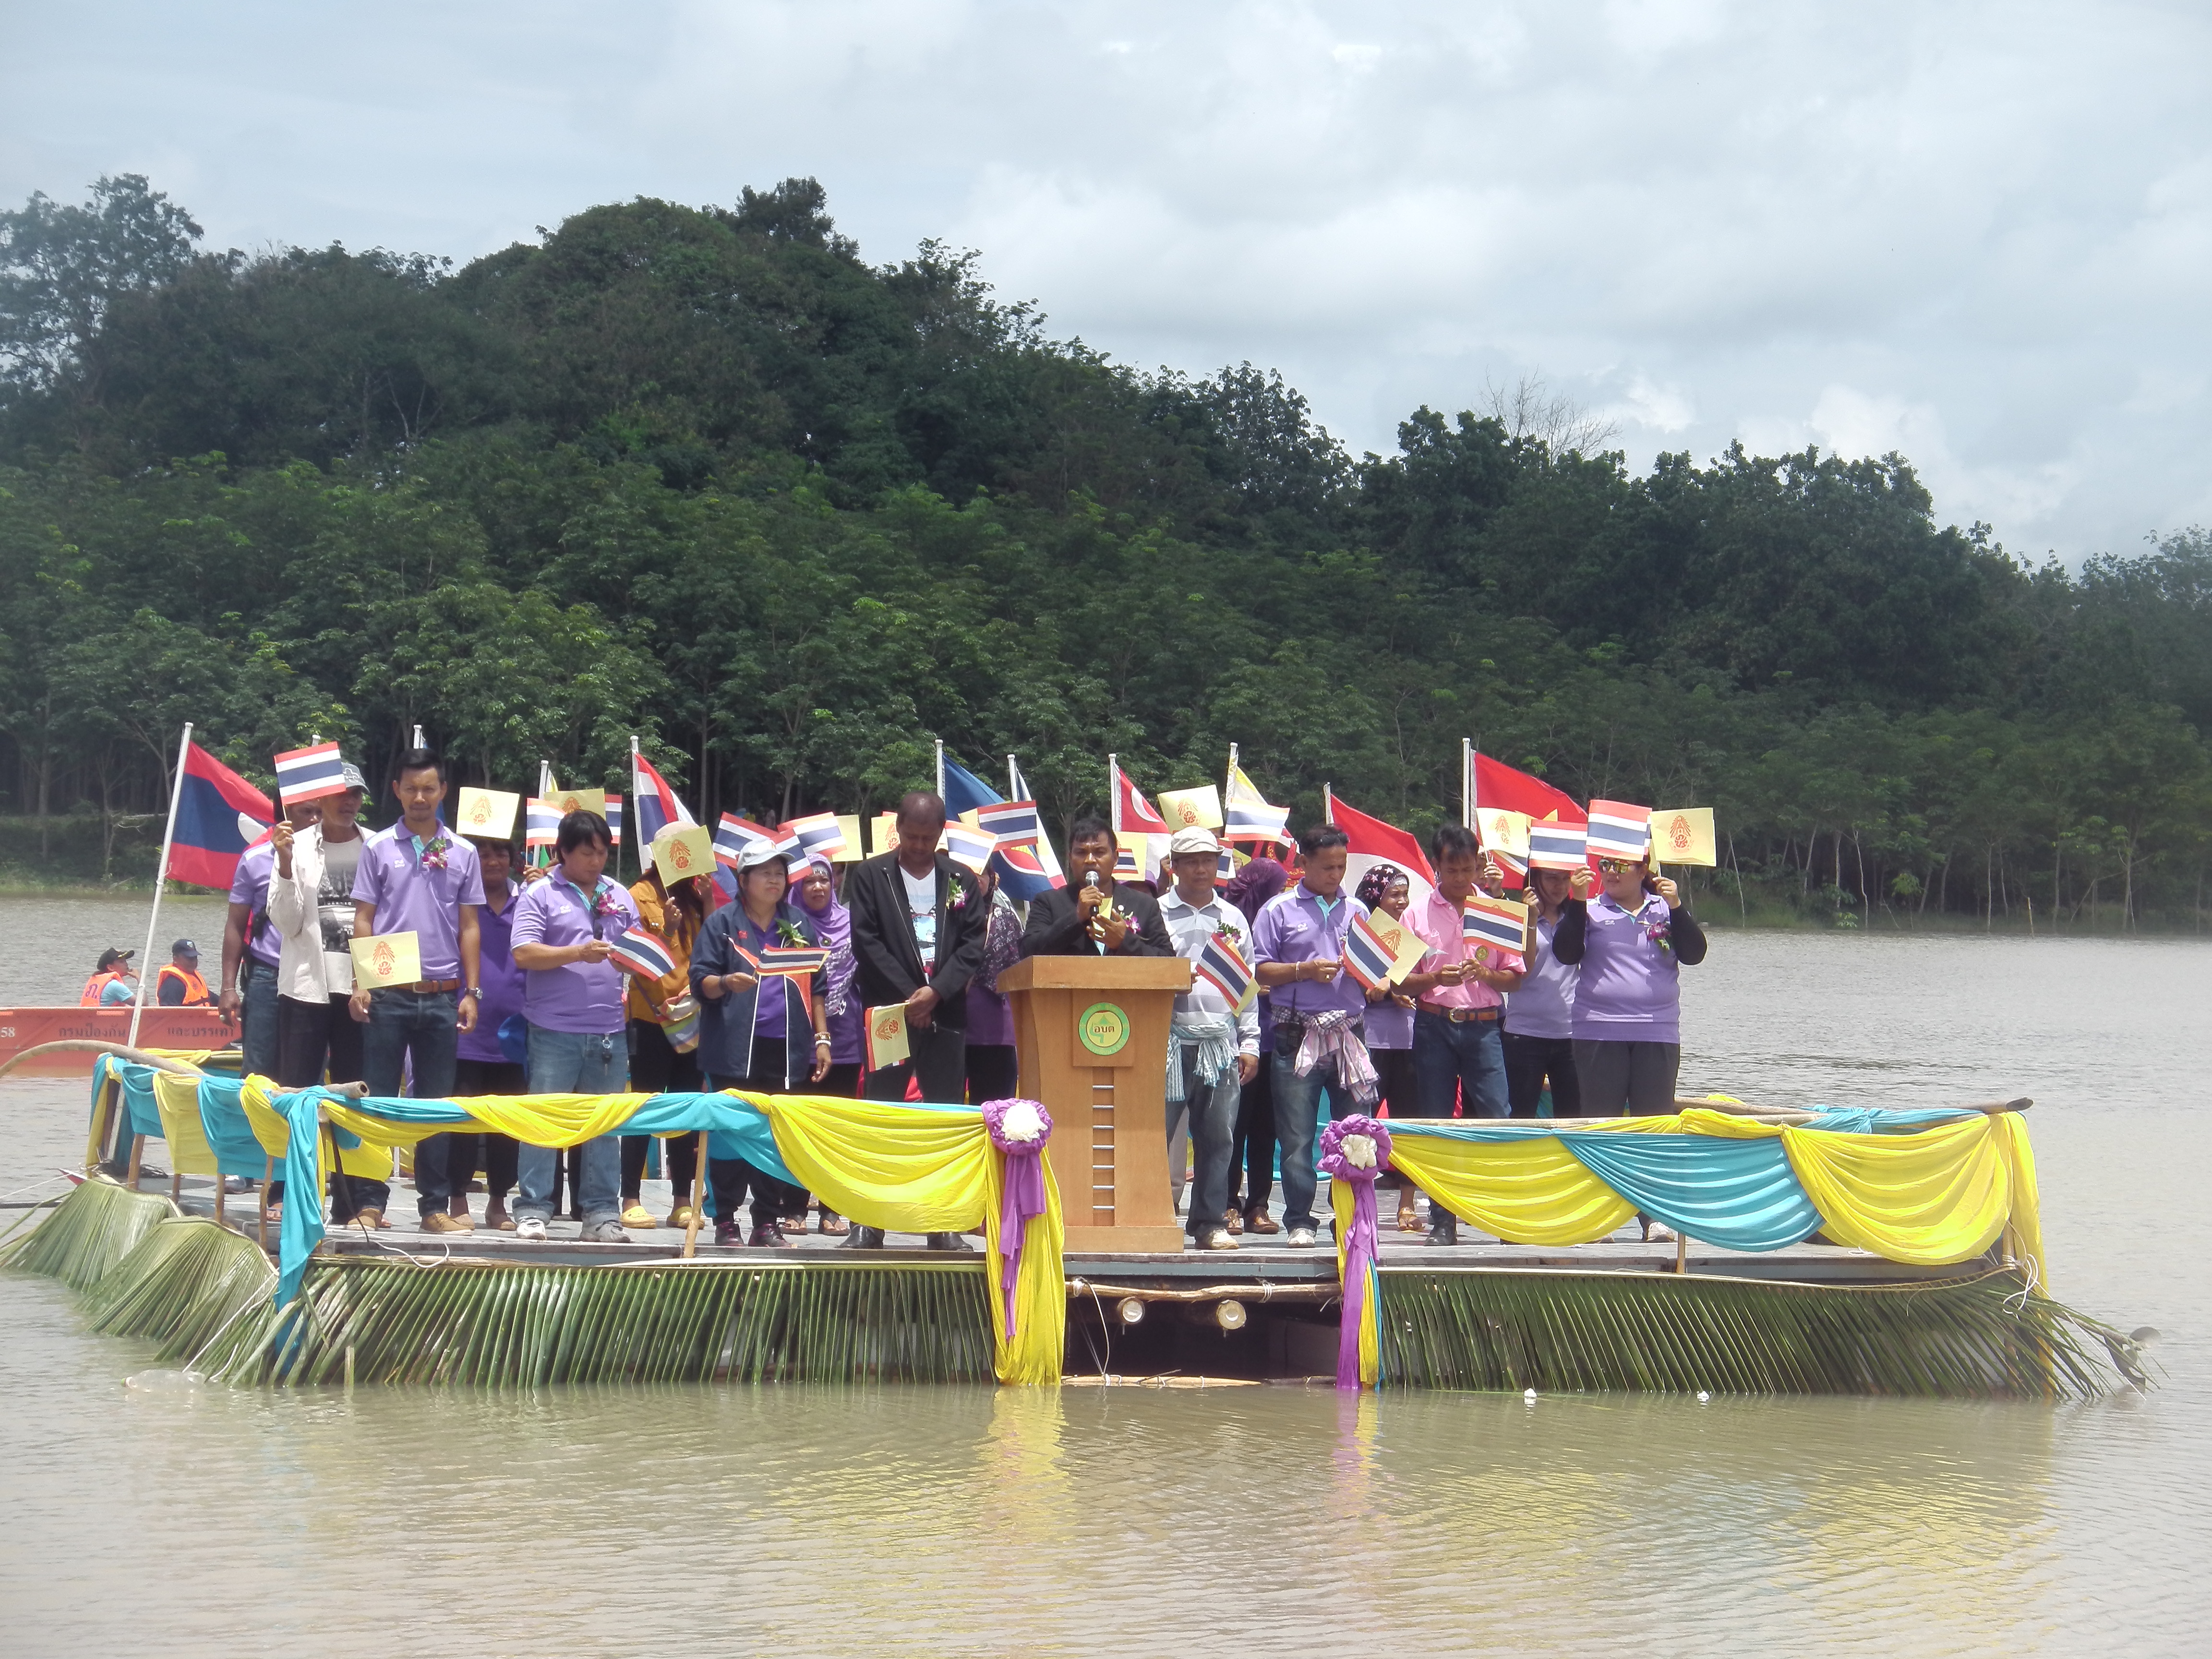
column 1194, row 840
column 757, row 852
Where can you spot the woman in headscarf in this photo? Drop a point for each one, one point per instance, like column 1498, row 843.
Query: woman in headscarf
column 1385, row 891
column 1254, row 1150
column 818, row 901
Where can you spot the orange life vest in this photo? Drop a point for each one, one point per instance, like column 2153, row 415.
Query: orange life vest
column 94, row 986
column 196, row 990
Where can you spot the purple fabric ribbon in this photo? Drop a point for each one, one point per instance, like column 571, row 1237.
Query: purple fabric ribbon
column 1360, row 1247
column 1021, row 1190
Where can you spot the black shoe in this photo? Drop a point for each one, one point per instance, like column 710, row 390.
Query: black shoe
column 1444, row 1232
column 950, row 1242
column 863, row 1238
column 726, row 1232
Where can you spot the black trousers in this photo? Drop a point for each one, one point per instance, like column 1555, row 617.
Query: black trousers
column 940, row 1059
column 732, row 1177
column 992, row 1071
column 314, row 1040
column 655, row 1068
column 1528, row 1061
column 1253, row 1152
column 495, row 1154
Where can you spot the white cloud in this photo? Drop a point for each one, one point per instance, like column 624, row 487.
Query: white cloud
column 1976, row 233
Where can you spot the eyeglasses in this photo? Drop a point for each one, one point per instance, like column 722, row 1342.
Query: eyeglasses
column 1618, row 867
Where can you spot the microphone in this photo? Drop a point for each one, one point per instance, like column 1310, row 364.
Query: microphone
column 1090, row 878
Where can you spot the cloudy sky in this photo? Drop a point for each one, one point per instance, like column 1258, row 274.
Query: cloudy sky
column 1979, row 234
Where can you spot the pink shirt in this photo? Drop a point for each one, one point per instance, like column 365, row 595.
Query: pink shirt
column 1435, row 919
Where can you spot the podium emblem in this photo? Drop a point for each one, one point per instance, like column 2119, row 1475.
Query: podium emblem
column 1103, row 1029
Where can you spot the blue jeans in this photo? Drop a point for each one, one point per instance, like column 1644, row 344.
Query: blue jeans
column 1213, row 1109
column 1467, row 1059
column 416, row 1025
column 574, row 1063
column 257, row 1037
column 1297, row 1120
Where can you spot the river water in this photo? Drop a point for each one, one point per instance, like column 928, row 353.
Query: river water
column 1136, row 1521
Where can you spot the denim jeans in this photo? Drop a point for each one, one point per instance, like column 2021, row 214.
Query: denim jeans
column 1467, row 1059
column 257, row 1039
column 1297, row 1120
column 416, row 1025
column 574, row 1063
column 1212, row 1111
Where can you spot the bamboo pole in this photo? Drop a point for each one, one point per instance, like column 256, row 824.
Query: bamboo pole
column 145, row 969
column 698, row 1200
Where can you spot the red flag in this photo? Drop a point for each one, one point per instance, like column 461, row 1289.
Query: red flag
column 1496, row 784
column 1132, row 814
column 1374, row 842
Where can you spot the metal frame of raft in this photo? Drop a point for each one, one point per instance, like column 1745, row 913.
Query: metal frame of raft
column 201, row 1293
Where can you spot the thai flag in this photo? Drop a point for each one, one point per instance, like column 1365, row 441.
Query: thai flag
column 1500, row 923
column 1034, row 869
column 1222, row 965
column 1557, row 846
column 1126, row 867
column 219, row 816
column 1366, row 957
column 1132, row 813
column 1619, row 831
column 972, row 847
column 641, row 951
column 657, row 806
column 310, row 774
column 614, row 820
column 1009, row 823
column 541, row 823
column 793, row 961
column 820, row 835
column 1246, row 816
column 733, row 834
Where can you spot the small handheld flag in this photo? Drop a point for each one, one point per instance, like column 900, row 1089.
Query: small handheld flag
column 971, row 848
column 639, row 951
column 1366, row 957
column 1557, row 846
column 1684, row 836
column 1125, row 867
column 820, row 835
column 1500, row 923
column 1246, row 816
column 1503, row 831
column 541, row 821
column 486, row 812
column 613, row 816
column 683, row 855
column 733, row 834
column 1011, row 823
column 887, row 1043
column 1222, row 965
column 1619, row 831
column 310, row 774
column 1192, row 809
column 793, row 961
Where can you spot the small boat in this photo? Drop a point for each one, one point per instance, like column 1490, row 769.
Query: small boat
column 190, row 1030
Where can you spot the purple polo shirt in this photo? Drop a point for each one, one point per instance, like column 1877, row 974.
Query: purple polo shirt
column 1294, row 927
column 501, row 978
column 250, row 887
column 410, row 899
column 1629, row 989
column 584, row 997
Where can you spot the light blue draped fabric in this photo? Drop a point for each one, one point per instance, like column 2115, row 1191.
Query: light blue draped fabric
column 1871, row 1120
column 1739, row 1194
column 230, row 1136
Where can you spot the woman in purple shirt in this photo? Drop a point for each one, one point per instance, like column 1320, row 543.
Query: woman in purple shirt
column 572, row 998
column 1385, row 891
column 1540, row 1013
column 1629, row 942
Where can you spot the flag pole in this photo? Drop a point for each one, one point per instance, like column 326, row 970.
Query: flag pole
column 1328, row 804
column 1113, row 795
column 418, row 743
column 1467, row 814
column 940, row 768
column 1013, row 780
column 145, row 969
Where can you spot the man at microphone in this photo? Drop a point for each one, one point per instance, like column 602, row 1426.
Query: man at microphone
column 1093, row 915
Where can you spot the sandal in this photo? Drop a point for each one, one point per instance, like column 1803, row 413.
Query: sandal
column 1409, row 1218
column 834, row 1224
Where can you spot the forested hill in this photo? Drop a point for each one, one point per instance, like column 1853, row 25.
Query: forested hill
column 708, row 474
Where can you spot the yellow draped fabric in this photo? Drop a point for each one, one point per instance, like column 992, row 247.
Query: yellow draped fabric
column 897, row 1167
column 372, row 1163
column 1938, row 1196
column 1532, row 1191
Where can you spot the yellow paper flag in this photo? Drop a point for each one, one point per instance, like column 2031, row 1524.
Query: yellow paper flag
column 387, row 959
column 882, row 834
column 1502, row 831
column 681, row 854
column 1192, row 809
column 579, row 800
column 887, row 1044
column 1684, row 835
column 486, row 812
column 848, row 825
column 1404, row 940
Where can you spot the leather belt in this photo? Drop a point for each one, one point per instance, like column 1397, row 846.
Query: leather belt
column 430, row 986
column 1461, row 1016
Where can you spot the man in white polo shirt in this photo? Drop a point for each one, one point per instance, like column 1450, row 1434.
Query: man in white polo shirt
column 1214, row 1049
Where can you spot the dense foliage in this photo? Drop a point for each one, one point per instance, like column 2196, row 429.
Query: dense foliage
column 705, row 475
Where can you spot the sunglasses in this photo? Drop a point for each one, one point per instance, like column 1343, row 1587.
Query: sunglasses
column 1618, row 866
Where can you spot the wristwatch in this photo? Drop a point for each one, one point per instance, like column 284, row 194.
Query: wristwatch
column 475, row 991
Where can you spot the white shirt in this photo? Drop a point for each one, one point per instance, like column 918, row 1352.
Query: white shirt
column 1190, row 927
column 921, row 912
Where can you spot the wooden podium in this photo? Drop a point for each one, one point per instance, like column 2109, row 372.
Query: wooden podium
column 1091, row 1033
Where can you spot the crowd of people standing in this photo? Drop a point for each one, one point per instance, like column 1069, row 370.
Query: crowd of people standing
column 520, row 993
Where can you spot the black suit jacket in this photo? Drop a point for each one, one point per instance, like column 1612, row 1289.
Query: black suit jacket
column 887, row 965
column 1055, row 931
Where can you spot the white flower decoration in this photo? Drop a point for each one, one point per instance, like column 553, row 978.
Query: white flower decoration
column 1021, row 1123
column 1359, row 1150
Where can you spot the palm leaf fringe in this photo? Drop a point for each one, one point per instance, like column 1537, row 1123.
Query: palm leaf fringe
column 184, row 1284
column 492, row 1325
column 90, row 1232
column 1658, row 1332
